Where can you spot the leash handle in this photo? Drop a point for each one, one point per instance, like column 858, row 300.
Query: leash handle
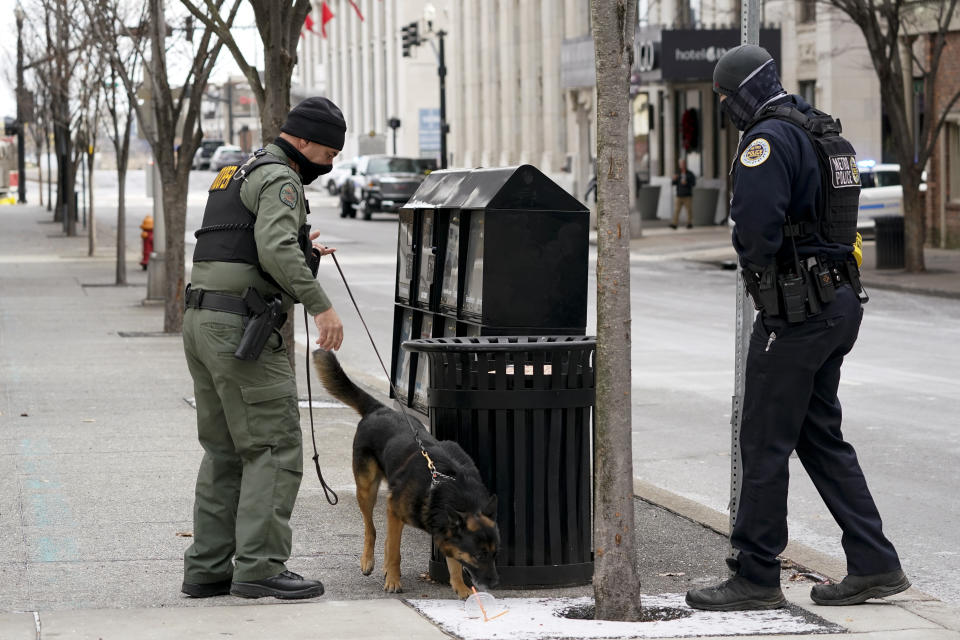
column 327, row 489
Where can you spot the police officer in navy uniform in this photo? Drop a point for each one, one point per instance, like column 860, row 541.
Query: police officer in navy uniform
column 795, row 194
column 253, row 260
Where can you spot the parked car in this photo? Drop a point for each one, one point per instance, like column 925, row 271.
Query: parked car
column 426, row 165
column 881, row 193
column 335, row 179
column 201, row 159
column 227, row 155
column 379, row 183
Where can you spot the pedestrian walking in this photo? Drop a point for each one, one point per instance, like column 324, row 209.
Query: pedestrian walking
column 684, row 181
column 253, row 260
column 795, row 200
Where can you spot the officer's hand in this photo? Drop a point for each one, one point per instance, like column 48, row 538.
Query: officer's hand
column 331, row 330
column 858, row 250
column 321, row 249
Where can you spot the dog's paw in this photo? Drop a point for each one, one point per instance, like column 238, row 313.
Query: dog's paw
column 366, row 566
column 462, row 591
column 392, row 585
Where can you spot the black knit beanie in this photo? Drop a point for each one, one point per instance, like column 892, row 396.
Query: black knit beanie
column 317, row 120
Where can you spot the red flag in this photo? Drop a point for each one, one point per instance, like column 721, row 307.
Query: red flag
column 325, row 16
column 357, row 9
column 308, row 23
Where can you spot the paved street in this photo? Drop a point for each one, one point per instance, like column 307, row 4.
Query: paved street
column 899, row 388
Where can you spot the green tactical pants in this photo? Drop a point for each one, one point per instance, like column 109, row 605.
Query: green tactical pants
column 248, row 423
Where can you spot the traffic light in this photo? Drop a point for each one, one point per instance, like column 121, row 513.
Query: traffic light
column 410, row 37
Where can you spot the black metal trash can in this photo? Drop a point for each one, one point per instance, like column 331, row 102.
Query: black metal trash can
column 890, row 244
column 522, row 408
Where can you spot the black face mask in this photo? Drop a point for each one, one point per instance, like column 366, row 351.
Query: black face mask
column 309, row 171
column 755, row 92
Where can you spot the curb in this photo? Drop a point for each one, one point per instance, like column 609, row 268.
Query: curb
column 913, row 600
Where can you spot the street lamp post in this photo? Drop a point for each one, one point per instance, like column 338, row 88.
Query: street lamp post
column 21, row 181
column 442, row 72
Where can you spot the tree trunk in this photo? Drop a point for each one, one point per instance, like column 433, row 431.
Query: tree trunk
column 46, row 135
column 914, row 222
column 122, row 147
column 276, row 107
column 175, row 219
column 121, row 222
column 616, row 584
column 91, row 218
column 40, row 172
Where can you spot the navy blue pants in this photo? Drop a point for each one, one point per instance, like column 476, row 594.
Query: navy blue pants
column 790, row 403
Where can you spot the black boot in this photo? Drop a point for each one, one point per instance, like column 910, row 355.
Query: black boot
column 206, row 589
column 736, row 594
column 857, row 589
column 286, row 586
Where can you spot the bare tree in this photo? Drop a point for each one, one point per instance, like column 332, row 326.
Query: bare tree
column 42, row 129
column 170, row 122
column 38, row 131
column 616, row 584
column 66, row 43
column 86, row 124
column 121, row 115
column 279, row 23
column 118, row 105
column 906, row 40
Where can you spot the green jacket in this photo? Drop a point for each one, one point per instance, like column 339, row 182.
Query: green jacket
column 274, row 194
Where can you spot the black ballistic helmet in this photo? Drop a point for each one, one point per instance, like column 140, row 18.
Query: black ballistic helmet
column 736, row 65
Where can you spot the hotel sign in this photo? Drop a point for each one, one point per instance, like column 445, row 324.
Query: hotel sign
column 691, row 54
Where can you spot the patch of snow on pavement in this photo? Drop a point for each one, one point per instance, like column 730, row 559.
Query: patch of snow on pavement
column 539, row 618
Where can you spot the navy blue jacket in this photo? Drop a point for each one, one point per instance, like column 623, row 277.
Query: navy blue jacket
column 776, row 174
column 685, row 189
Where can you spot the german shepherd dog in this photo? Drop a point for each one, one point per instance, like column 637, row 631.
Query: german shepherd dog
column 456, row 508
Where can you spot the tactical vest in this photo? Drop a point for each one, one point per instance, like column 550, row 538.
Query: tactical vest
column 226, row 233
column 839, row 200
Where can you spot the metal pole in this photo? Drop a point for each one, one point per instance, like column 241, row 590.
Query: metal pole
column 442, row 71
column 229, row 112
column 21, row 177
column 749, row 34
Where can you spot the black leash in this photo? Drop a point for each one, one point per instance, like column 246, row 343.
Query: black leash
column 327, row 489
column 436, row 475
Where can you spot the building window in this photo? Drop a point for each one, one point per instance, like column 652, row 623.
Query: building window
column 953, row 161
column 806, row 11
column 807, row 89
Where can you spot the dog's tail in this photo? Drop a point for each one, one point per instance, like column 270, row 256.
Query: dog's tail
column 340, row 386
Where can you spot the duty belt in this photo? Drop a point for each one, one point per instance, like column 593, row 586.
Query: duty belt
column 200, row 299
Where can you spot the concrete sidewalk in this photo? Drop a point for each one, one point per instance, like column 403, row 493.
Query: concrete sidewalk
column 100, row 450
column 712, row 245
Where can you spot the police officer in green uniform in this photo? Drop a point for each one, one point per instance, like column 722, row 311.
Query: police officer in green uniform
column 253, row 260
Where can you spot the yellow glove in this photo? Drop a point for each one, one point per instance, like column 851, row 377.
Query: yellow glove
column 858, row 250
